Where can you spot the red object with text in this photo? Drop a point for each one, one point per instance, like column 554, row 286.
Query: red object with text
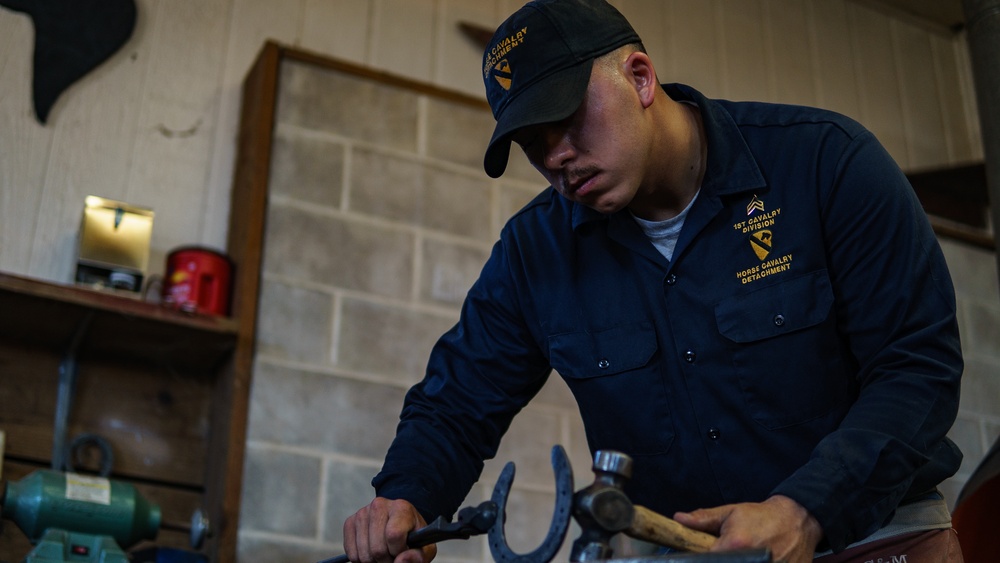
column 198, row 280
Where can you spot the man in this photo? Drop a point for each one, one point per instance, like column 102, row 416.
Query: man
column 745, row 297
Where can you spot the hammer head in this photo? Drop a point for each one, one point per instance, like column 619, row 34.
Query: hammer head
column 602, row 509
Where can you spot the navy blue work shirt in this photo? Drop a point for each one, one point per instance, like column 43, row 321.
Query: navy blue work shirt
column 802, row 340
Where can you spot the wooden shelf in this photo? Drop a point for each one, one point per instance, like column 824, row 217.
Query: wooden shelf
column 154, row 382
column 169, row 391
column 42, row 314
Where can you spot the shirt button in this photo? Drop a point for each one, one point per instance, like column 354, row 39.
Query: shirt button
column 603, row 363
column 671, row 279
column 714, row 434
column 690, row 356
column 779, row 320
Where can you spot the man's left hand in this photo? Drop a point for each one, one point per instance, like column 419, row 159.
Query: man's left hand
column 778, row 523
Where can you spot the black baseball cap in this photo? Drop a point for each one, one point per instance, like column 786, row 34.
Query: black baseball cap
column 537, row 65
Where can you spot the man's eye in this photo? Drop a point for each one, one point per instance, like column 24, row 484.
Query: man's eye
column 525, row 140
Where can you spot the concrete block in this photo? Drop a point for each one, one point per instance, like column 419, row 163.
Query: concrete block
column 324, row 412
column 280, row 492
column 252, row 548
column 355, row 107
column 459, row 133
column 982, row 330
column 980, row 387
column 307, row 169
column 294, row 323
column 420, row 195
column 449, row 270
column 387, row 340
column 335, row 251
column 973, row 271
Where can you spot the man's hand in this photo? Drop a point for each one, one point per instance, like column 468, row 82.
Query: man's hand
column 778, row 523
column 377, row 534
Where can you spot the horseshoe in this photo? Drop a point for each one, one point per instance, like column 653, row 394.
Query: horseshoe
column 502, row 553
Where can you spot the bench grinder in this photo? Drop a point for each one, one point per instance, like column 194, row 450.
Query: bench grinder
column 73, row 517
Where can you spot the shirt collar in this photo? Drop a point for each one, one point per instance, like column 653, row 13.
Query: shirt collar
column 731, row 166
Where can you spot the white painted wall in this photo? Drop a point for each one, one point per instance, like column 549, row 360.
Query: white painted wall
column 156, row 124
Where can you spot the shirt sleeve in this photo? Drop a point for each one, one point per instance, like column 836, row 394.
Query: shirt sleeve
column 895, row 305
column 479, row 375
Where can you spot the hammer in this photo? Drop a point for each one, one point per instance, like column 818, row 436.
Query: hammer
column 602, row 510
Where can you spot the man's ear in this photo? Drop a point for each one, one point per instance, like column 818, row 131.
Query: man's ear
column 639, row 70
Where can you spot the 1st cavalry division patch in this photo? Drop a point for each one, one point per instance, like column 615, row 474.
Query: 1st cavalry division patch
column 760, row 241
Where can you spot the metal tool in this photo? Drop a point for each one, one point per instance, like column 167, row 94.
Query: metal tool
column 739, row 556
column 603, row 509
column 502, row 553
column 470, row 522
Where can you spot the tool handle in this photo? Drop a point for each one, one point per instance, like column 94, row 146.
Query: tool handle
column 417, row 538
column 471, row 521
column 652, row 527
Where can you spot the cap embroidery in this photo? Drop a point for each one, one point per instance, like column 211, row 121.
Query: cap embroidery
column 497, row 55
column 502, row 74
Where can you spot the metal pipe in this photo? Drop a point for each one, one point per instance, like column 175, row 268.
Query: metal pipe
column 982, row 23
column 64, row 394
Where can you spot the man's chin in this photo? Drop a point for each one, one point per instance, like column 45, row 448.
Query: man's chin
column 605, row 207
column 601, row 203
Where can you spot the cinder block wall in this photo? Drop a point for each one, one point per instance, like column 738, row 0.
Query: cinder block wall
column 376, row 229
column 978, row 423
column 380, row 219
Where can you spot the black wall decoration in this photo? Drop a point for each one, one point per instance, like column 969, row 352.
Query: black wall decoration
column 72, row 37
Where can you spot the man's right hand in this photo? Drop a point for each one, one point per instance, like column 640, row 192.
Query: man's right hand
column 377, row 534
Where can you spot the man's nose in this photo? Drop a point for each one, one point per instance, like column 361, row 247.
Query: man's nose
column 559, row 149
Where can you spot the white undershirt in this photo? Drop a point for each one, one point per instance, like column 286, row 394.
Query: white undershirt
column 664, row 234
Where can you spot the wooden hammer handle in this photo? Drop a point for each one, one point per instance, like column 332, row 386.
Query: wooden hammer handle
column 652, row 527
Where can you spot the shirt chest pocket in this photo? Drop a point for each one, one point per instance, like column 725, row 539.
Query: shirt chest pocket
column 775, row 310
column 586, row 354
column 617, row 383
column 787, row 354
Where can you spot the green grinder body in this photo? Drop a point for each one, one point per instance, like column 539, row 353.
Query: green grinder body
column 79, row 503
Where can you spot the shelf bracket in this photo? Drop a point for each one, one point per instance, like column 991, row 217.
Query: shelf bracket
column 64, row 395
